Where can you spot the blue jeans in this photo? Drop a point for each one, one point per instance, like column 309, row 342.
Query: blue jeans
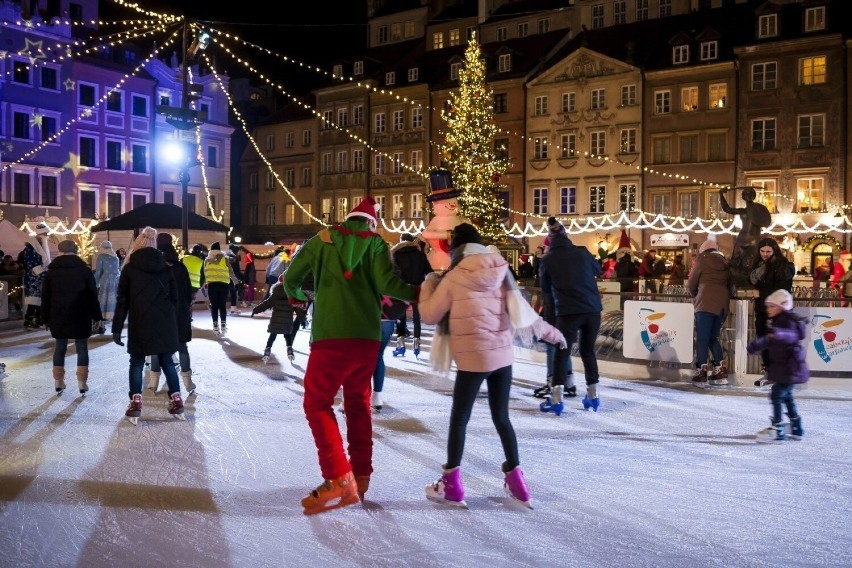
column 137, row 363
column 82, row 347
column 707, row 328
column 183, row 356
column 782, row 395
column 587, row 326
column 379, row 373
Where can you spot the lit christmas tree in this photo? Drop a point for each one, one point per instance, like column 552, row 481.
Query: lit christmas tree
column 468, row 148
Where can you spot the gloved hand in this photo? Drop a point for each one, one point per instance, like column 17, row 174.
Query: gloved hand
column 116, row 338
column 298, row 304
column 563, row 343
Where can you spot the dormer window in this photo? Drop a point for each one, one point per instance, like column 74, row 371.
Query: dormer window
column 337, row 70
column 413, row 74
column 767, row 25
column 390, row 78
column 815, row 19
column 358, row 68
column 454, row 71
column 680, row 54
column 709, row 50
column 504, row 63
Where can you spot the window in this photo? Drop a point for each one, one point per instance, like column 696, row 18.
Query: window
column 597, row 145
column 454, row 36
column 598, row 99
column 543, row 26
column 358, row 68
column 619, row 12
column 689, row 99
column 87, row 95
column 597, row 198
column 290, row 177
column 416, row 160
column 680, row 54
column 568, row 146
column 709, row 50
column 327, row 119
column 139, row 106
column 767, row 25
column 688, row 204
column 358, row 160
column 191, row 202
column 717, row 95
column 379, row 165
column 665, row 8
column 325, row 209
column 500, row 104
column 382, row 35
column 326, row 167
column 540, row 148
column 689, row 149
column 140, row 159
column 763, row 134
column 306, row 176
column 454, row 71
column 390, row 78
column 307, row 213
column 662, row 150
column 113, row 101
column 88, row 152
column 50, row 191
column 641, row 10
column 416, row 207
column 398, row 120
column 504, row 63
column 567, row 200
column 21, row 189
column 270, row 142
column 767, row 193
column 569, row 102
column 165, row 99
column 502, row 33
column 113, row 204
column 379, row 122
column 815, row 19
column 501, row 148
column 343, row 117
column 417, row 117
column 661, row 204
column 597, row 16
column 270, row 181
column 212, row 157
column 628, row 141
column 811, row 130
column 21, row 72
column 253, row 181
column 380, row 203
column 358, row 115
column 438, row 40
column 397, row 206
column 114, row 152
column 88, row 200
column 306, row 137
column 397, row 162
column 539, row 206
column 662, row 102
column 717, row 147
column 626, row 196
column 812, row 70
column 49, row 78
column 21, row 125
column 289, row 214
column 628, row 95
column 48, row 129
column 337, row 70
column 523, row 29
column 413, row 74
column 270, row 214
column 809, row 194
column 541, row 106
column 252, row 214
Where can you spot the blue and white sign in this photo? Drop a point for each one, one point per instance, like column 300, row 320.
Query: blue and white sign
column 658, row 331
column 829, row 338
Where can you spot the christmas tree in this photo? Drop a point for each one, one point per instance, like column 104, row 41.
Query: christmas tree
column 468, row 148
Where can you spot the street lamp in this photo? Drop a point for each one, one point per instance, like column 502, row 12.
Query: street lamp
column 182, row 154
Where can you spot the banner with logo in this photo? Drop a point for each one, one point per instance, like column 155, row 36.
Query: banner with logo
column 829, row 338
column 658, row 331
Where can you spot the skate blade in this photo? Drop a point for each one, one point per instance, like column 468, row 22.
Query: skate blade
column 265, row 360
column 133, row 420
column 442, row 501
column 322, row 507
column 179, row 416
column 527, row 504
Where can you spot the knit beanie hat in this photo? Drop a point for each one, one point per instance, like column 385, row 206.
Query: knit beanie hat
column 709, row 244
column 164, row 239
column 106, row 245
column 216, row 246
column 780, row 298
column 554, row 227
column 68, row 247
column 147, row 238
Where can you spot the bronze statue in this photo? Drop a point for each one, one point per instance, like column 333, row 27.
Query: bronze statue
column 754, row 217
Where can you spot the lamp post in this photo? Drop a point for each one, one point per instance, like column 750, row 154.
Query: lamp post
column 183, row 176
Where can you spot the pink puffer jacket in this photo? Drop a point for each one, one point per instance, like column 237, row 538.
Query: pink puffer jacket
column 474, row 295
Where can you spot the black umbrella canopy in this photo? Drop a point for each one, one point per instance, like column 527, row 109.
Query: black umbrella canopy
column 159, row 216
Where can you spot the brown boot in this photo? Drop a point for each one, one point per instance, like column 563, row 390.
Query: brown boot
column 82, row 377
column 59, row 379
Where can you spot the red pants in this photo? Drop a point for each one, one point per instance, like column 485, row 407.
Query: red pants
column 350, row 363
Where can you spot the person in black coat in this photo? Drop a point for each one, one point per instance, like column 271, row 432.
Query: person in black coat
column 69, row 305
column 772, row 271
column 281, row 321
column 183, row 313
column 147, row 294
column 413, row 266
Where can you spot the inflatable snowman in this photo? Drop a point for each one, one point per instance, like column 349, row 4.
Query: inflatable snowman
column 437, row 233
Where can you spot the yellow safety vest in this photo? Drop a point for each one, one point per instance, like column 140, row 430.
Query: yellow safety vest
column 217, row 272
column 193, row 266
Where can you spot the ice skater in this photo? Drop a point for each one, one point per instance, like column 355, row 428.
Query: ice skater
column 281, row 322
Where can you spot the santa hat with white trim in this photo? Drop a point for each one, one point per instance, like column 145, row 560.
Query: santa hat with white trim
column 367, row 208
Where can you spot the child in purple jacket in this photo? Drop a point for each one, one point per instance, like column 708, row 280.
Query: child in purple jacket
column 787, row 366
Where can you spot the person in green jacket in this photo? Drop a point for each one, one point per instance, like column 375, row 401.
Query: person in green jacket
column 352, row 269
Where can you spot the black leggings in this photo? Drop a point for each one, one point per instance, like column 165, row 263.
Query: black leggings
column 288, row 339
column 464, row 395
column 217, row 294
